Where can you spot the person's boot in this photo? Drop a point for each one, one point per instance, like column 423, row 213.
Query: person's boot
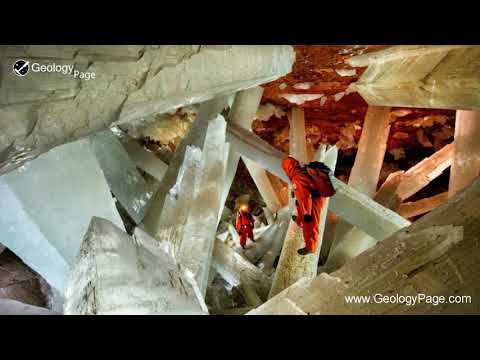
column 304, row 251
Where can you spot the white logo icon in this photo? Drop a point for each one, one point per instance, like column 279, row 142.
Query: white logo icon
column 21, row 67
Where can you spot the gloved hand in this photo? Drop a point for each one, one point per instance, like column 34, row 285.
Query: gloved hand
column 294, row 217
column 307, row 218
column 319, row 166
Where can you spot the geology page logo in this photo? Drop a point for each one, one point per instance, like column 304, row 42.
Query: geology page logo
column 21, row 67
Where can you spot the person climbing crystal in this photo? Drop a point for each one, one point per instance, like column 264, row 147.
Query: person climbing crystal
column 244, row 224
column 311, row 185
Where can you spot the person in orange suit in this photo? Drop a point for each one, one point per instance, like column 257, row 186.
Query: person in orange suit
column 244, row 224
column 312, row 186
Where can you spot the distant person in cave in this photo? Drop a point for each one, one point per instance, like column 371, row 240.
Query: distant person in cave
column 311, row 186
column 244, row 224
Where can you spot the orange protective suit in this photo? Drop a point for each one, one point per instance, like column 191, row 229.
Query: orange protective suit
column 311, row 187
column 244, row 225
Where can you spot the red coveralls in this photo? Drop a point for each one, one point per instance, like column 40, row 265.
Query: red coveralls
column 305, row 181
column 244, row 225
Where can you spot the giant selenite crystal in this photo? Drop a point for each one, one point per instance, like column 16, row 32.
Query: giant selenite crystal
column 291, row 265
column 466, row 153
column 235, row 269
column 144, row 159
column 13, row 307
column 179, row 199
column 213, row 71
column 132, row 84
column 242, row 113
column 364, row 177
column 436, row 256
column 46, row 206
column 420, row 175
column 125, row 181
column 445, row 77
column 196, row 137
column 196, row 247
column 117, row 274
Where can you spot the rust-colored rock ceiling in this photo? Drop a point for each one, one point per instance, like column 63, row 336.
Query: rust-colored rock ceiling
column 337, row 117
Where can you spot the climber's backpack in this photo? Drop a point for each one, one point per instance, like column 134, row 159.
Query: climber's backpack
column 321, row 174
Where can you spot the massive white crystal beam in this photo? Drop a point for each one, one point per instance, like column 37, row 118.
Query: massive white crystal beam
column 365, row 173
column 292, row 266
column 445, row 77
column 266, row 240
column 249, row 294
column 371, row 150
column 265, row 187
column 436, row 255
column 348, row 203
column 116, row 274
column 419, row 207
column 178, row 201
column 13, row 307
column 354, row 240
column 292, row 292
column 144, row 159
column 234, row 269
column 132, row 84
column 230, row 67
column 196, row 247
column 466, row 154
column 123, row 178
column 243, row 110
column 420, row 175
column 387, row 193
column 47, row 205
column 196, row 136
column 297, row 138
column 282, row 307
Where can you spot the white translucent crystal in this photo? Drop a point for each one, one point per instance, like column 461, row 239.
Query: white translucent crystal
column 178, row 200
column 196, row 137
column 213, row 71
column 420, row 175
column 196, row 247
column 117, row 274
column 299, row 99
column 419, row 207
column 466, row 154
column 123, row 178
column 47, row 205
column 266, row 111
column 292, row 292
column 265, row 187
column 144, row 159
column 13, row 307
column 235, row 269
column 303, row 86
column 266, row 240
column 346, row 72
column 364, row 178
column 241, row 113
column 297, row 137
